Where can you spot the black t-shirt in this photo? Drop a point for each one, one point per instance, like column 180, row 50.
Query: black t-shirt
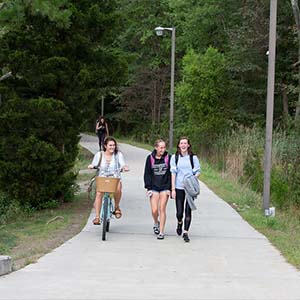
column 102, row 128
column 157, row 175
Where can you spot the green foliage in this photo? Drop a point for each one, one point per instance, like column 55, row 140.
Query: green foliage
column 253, row 169
column 201, row 24
column 241, row 155
column 62, row 58
column 237, row 29
column 73, row 63
column 144, row 103
column 37, row 150
column 15, row 12
column 279, row 187
column 202, row 94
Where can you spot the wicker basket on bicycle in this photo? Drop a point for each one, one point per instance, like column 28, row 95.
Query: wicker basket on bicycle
column 107, row 184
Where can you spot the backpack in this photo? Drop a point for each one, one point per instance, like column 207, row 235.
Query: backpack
column 191, row 160
column 166, row 158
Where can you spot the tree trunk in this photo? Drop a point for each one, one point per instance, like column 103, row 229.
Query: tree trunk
column 161, row 94
column 296, row 12
column 154, row 102
column 285, row 101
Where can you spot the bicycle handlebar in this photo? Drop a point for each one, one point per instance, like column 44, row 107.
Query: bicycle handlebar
column 118, row 170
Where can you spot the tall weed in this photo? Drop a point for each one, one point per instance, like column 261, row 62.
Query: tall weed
column 240, row 155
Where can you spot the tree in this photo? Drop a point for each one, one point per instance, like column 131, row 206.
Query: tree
column 144, row 100
column 296, row 12
column 61, row 55
column 202, row 94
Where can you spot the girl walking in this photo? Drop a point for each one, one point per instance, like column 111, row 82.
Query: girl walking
column 101, row 131
column 183, row 163
column 157, row 179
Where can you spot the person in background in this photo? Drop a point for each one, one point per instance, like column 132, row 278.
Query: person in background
column 110, row 162
column 101, row 131
column 183, row 163
column 157, row 180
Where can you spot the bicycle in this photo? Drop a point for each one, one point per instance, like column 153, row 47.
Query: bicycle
column 108, row 186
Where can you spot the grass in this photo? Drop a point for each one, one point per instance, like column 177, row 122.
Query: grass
column 283, row 231
column 84, row 159
column 28, row 236
column 84, row 177
column 32, row 235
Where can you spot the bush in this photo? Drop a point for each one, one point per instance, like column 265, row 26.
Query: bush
column 38, row 148
column 7, row 208
column 253, row 170
column 279, row 187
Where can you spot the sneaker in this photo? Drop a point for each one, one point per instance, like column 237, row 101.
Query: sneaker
column 186, row 237
column 161, row 236
column 179, row 228
column 156, row 228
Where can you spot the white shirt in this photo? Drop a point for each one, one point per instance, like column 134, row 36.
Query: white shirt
column 116, row 163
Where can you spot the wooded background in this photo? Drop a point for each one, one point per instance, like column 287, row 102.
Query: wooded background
column 65, row 56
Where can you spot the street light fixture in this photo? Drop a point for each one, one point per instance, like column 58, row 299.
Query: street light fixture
column 7, row 75
column 2, row 5
column 159, row 32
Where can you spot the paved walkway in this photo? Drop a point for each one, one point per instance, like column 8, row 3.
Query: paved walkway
column 226, row 258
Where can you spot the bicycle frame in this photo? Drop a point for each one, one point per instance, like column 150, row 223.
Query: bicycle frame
column 107, row 186
column 107, row 210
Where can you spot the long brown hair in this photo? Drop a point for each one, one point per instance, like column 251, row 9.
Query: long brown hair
column 109, row 139
column 102, row 118
column 178, row 151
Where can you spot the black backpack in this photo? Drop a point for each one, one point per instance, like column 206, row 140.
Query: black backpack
column 191, row 159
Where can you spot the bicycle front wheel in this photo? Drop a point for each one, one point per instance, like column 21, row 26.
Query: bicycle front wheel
column 107, row 225
column 105, row 217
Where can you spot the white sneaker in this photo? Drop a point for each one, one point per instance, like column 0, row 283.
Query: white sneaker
column 161, row 236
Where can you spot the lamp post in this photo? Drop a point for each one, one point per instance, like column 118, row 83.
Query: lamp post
column 159, row 31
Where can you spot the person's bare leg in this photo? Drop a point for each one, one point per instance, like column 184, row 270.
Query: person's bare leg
column 98, row 203
column 163, row 200
column 154, row 207
column 118, row 195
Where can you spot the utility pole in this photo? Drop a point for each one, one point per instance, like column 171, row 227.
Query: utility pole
column 270, row 106
column 171, row 133
column 102, row 105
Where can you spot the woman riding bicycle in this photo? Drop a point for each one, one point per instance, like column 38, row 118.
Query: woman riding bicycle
column 110, row 162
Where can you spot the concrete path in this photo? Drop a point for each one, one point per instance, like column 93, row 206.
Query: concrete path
column 226, row 258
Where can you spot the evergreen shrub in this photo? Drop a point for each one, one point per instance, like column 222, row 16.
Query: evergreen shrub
column 37, row 150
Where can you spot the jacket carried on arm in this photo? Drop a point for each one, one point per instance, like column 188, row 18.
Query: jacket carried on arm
column 192, row 189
